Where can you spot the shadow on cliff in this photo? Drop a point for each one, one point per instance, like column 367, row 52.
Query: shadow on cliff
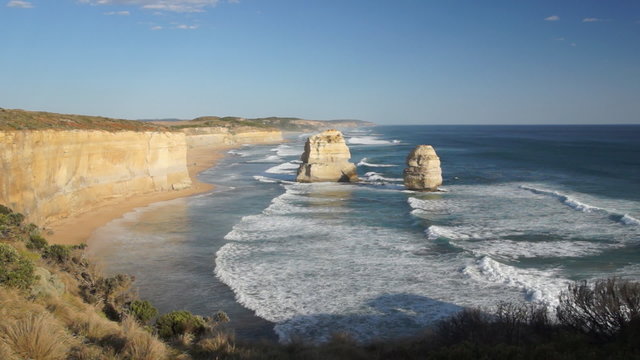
column 388, row 316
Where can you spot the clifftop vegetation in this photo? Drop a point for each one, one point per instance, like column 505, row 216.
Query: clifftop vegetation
column 38, row 120
column 281, row 123
column 54, row 304
column 14, row 119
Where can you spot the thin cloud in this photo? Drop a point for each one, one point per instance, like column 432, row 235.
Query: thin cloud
column 589, row 20
column 552, row 18
column 186, row 27
column 155, row 28
column 559, row 39
column 20, row 4
column 573, row 44
column 179, row 6
column 119, row 13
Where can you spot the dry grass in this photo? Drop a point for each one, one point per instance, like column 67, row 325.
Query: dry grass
column 36, row 336
column 140, row 344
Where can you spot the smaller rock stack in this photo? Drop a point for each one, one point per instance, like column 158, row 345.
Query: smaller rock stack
column 326, row 158
column 423, row 169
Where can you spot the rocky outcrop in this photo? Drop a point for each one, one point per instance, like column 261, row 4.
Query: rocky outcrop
column 326, row 158
column 221, row 136
column 52, row 174
column 423, row 169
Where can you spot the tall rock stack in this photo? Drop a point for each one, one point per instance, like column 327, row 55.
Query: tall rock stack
column 423, row 169
column 326, row 158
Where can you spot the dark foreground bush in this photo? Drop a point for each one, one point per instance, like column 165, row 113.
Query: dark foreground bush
column 178, row 323
column 15, row 270
column 602, row 309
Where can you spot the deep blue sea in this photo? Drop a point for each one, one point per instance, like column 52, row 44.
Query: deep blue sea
column 523, row 211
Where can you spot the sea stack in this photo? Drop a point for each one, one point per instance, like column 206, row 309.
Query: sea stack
column 326, row 158
column 423, row 169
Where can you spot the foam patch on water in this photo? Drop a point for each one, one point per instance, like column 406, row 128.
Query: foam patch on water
column 268, row 159
column 629, row 220
column 368, row 140
column 265, row 179
column 364, row 162
column 482, row 244
column 539, row 286
column 285, row 150
column 287, row 168
column 625, row 219
column 375, row 177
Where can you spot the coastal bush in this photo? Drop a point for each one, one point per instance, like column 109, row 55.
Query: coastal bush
column 15, row 270
column 57, row 253
column 37, row 242
column 603, row 309
column 142, row 310
column 179, row 322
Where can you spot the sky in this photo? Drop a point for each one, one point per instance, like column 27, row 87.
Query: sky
column 387, row 61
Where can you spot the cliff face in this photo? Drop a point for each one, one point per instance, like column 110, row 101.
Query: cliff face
column 52, row 174
column 220, row 136
column 326, row 158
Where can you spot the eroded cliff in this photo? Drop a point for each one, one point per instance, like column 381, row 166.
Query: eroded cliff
column 53, row 174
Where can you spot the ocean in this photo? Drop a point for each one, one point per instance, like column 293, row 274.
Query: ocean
column 523, row 212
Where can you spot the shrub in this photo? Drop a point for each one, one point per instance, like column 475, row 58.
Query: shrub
column 58, row 253
column 5, row 210
column 602, row 310
column 179, row 322
column 142, row 310
column 37, row 242
column 15, row 270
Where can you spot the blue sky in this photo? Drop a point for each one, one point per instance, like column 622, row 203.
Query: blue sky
column 392, row 62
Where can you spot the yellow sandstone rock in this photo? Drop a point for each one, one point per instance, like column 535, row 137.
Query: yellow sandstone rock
column 326, row 158
column 423, row 171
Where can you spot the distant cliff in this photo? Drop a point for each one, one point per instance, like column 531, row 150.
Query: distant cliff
column 281, row 123
column 54, row 166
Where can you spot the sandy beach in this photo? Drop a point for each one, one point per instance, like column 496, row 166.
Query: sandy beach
column 77, row 229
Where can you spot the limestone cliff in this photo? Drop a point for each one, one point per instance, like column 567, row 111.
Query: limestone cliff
column 222, row 136
column 52, row 174
column 326, row 158
column 423, row 169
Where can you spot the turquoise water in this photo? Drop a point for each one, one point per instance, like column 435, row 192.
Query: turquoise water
column 523, row 212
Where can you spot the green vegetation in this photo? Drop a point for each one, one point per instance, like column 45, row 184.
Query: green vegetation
column 15, row 270
column 101, row 317
column 36, row 120
column 178, row 323
column 142, row 310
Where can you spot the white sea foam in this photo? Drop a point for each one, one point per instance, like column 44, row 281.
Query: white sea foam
column 285, row 150
column 581, row 206
column 364, row 162
column 486, row 243
column 541, row 286
column 375, row 177
column 367, row 140
column 629, row 220
column 569, row 201
column 287, row 168
column 268, row 159
column 265, row 179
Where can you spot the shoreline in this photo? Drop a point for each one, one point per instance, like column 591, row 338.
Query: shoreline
column 77, row 229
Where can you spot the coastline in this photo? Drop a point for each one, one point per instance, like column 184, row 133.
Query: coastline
column 77, row 229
